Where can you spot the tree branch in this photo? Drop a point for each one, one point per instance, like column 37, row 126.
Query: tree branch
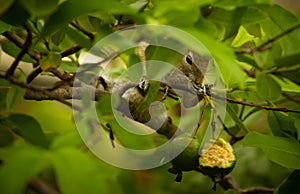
column 229, row 183
column 57, row 72
column 64, row 92
column 40, row 94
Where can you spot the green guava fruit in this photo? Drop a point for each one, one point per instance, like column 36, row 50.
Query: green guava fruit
column 187, row 160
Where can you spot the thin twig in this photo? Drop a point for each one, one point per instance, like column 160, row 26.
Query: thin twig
column 73, row 49
column 229, row 183
column 19, row 42
column 34, row 74
column 242, row 112
column 57, row 72
column 263, row 46
column 214, row 113
column 24, row 50
column 277, row 37
column 13, row 37
column 37, row 30
column 257, row 190
column 283, row 69
column 291, row 97
column 84, row 31
column 281, row 109
column 200, row 118
column 234, row 139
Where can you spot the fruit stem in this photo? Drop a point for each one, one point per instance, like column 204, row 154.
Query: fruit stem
column 214, row 114
column 179, row 176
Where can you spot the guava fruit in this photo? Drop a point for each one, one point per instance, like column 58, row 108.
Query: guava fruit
column 217, row 158
column 187, row 160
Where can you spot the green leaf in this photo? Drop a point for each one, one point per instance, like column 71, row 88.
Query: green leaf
column 163, row 54
column 40, row 8
column 22, row 162
column 130, row 57
column 288, row 60
column 286, row 84
column 9, row 16
column 267, row 87
column 79, row 38
column 69, row 66
column 76, row 173
column 248, row 59
column 292, row 75
column 280, row 20
column 70, row 139
column 4, row 26
column 280, row 150
column 150, row 97
column 207, row 27
column 253, row 15
column 290, row 185
column 104, row 105
column 275, row 51
column 137, row 5
column 229, row 4
column 242, row 37
column 27, row 127
column 131, row 134
column 125, row 178
column 6, row 137
column 232, row 113
column 58, row 36
column 104, row 17
column 69, row 10
column 12, row 50
column 173, row 12
column 4, row 5
column 15, row 93
column 281, row 124
column 51, row 60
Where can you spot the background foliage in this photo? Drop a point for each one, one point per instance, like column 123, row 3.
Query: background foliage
column 255, row 43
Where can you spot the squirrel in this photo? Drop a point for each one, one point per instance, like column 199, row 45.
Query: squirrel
column 188, row 78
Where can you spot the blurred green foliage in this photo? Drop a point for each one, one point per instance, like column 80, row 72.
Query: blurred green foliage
column 39, row 140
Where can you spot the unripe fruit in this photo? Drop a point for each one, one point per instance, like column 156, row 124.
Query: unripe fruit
column 187, row 160
column 217, row 158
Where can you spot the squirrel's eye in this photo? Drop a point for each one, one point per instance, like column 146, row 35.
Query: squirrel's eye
column 189, row 59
